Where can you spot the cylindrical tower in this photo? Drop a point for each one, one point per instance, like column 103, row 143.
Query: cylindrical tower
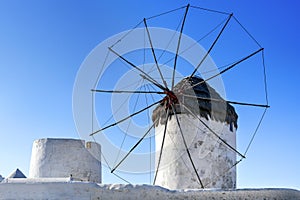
column 205, row 120
column 58, row 158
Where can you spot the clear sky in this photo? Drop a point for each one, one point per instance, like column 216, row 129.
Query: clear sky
column 43, row 43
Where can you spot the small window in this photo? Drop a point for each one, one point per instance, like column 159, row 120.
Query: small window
column 88, row 145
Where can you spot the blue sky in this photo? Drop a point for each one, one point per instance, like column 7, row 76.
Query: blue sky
column 42, row 45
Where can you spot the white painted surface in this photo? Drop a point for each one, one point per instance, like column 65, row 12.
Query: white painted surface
column 37, row 180
column 59, row 158
column 93, row 191
column 213, row 160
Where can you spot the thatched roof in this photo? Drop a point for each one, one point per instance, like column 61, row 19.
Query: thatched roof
column 202, row 100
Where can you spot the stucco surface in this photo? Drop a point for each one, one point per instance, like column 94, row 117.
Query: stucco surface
column 214, row 161
column 88, row 191
column 53, row 157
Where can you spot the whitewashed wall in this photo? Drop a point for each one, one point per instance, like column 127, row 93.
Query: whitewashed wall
column 213, row 159
column 63, row 157
column 93, row 191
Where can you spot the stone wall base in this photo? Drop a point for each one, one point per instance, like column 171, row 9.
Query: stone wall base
column 86, row 190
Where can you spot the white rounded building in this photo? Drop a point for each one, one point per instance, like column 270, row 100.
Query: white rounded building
column 204, row 119
column 60, row 158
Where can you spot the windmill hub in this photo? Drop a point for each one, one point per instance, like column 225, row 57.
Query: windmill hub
column 169, row 100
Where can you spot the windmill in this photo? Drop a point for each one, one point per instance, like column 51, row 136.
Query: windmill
column 194, row 124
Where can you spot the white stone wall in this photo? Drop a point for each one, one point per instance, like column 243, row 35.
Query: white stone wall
column 93, row 191
column 64, row 157
column 213, row 160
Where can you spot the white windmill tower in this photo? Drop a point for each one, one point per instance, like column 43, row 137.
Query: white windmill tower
column 196, row 145
column 195, row 126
